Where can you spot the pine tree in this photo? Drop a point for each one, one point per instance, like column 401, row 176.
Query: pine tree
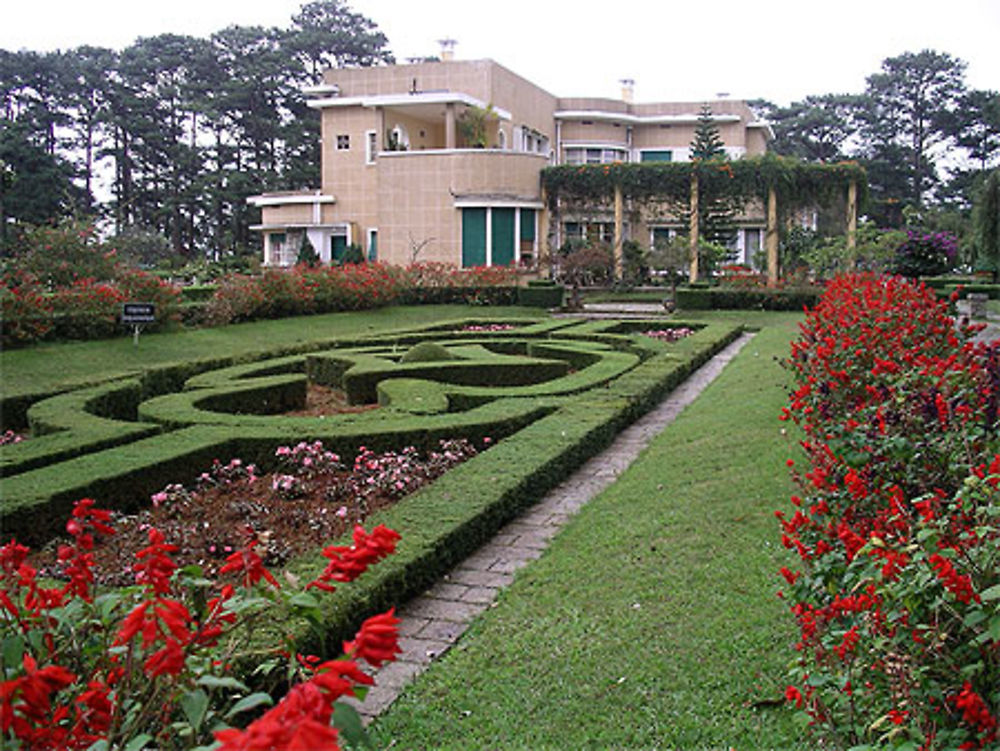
column 707, row 143
column 716, row 210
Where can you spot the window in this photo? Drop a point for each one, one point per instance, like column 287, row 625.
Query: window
column 657, row 155
column 343, row 142
column 502, row 139
column 590, row 231
column 371, row 146
column 373, row 245
column 595, row 155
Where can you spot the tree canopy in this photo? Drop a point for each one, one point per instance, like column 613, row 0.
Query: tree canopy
column 173, row 132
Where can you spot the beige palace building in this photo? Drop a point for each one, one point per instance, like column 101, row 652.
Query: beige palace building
column 405, row 177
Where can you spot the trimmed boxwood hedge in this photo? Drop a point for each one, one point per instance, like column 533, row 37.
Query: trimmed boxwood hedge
column 722, row 298
column 67, row 425
column 541, row 294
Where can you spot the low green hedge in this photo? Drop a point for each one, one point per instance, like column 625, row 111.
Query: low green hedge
column 541, row 294
column 76, row 423
column 946, row 290
column 721, row 298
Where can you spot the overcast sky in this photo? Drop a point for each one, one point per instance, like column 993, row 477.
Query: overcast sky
column 782, row 50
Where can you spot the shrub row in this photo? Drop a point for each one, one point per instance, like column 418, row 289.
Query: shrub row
column 86, row 309
column 723, row 298
column 896, row 590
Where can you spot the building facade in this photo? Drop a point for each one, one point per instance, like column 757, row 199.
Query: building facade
column 441, row 161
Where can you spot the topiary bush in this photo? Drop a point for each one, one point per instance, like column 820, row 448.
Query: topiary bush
column 427, row 352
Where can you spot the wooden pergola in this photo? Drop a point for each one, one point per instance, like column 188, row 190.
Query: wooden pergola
column 772, row 179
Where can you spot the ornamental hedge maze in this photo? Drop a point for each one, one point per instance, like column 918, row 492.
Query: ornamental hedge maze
column 549, row 393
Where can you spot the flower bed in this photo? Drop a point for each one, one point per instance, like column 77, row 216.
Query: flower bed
column 669, row 335
column 897, row 528
column 310, row 498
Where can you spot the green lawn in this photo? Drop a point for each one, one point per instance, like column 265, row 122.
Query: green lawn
column 651, row 621
column 53, row 365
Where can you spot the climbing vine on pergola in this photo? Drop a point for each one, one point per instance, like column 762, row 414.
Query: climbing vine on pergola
column 774, row 180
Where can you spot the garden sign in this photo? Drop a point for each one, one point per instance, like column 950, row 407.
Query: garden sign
column 135, row 314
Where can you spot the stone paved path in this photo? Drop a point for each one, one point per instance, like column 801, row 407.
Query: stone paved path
column 433, row 622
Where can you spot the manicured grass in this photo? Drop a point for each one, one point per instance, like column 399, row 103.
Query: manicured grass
column 53, row 365
column 651, row 621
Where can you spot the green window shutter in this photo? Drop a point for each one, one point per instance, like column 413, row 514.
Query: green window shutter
column 338, row 244
column 658, row 156
column 473, row 237
column 527, row 225
column 503, row 237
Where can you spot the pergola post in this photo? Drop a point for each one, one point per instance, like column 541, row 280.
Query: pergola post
column 544, row 247
column 852, row 214
column 771, row 237
column 693, row 228
column 618, row 254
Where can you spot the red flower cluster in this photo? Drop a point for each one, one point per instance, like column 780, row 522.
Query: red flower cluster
column 977, row 714
column 899, row 417
column 160, row 648
column 347, row 563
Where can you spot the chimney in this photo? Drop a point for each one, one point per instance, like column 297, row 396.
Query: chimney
column 628, row 90
column 447, row 49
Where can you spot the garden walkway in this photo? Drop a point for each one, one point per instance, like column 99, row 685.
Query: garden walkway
column 433, row 622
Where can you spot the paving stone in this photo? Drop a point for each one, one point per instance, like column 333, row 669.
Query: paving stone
column 446, row 591
column 536, row 540
column 481, row 578
column 508, row 566
column 482, row 595
column 422, row 650
column 442, row 630
column 480, row 561
column 443, row 610
column 410, row 625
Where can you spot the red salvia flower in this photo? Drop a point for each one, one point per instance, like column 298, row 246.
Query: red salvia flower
column 377, row 641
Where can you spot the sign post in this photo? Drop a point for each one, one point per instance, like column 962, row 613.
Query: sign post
column 135, row 314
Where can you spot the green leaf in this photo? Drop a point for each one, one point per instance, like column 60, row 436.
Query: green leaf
column 214, row 681
column 252, row 701
column 974, row 618
column 304, row 600
column 994, row 628
column 993, row 593
column 195, row 705
column 347, row 720
column 194, row 571
column 139, row 742
column 12, row 651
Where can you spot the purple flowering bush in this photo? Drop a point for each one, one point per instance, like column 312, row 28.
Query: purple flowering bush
column 927, row 254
